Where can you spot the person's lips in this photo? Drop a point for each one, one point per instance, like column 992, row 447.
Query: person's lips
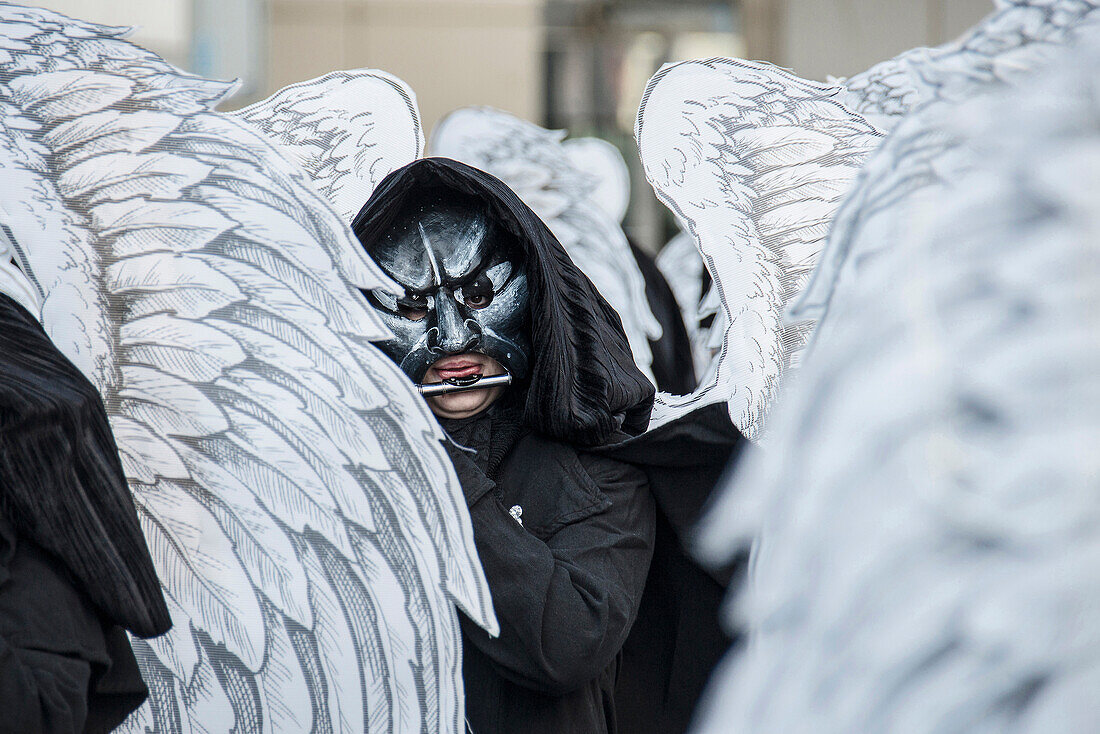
column 454, row 369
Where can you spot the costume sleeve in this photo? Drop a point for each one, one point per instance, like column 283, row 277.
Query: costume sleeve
column 50, row 642
column 565, row 602
column 42, row 692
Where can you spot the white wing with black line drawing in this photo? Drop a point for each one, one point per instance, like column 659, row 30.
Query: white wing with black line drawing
column 771, row 185
column 347, row 129
column 927, row 521
column 535, row 164
column 679, row 260
column 13, row 282
column 682, row 267
column 308, row 529
column 754, row 162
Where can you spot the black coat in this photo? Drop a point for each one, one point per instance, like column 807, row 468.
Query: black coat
column 74, row 567
column 677, row 640
column 576, row 577
column 566, row 583
column 63, row 667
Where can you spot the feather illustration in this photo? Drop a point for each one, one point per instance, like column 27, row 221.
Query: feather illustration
column 308, row 529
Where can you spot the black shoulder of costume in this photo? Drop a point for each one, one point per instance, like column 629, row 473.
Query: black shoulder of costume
column 65, row 667
column 584, row 385
column 61, row 481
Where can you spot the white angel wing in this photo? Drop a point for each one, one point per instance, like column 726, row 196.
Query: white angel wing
column 347, row 129
column 931, row 523
column 1014, row 38
column 754, row 162
column 13, row 282
column 682, row 267
column 753, row 284
column 602, row 161
column 310, row 534
column 533, row 162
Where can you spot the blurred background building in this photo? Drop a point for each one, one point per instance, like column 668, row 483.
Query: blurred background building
column 580, row 65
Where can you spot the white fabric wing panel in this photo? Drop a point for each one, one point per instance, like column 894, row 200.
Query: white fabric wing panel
column 927, row 519
column 309, row 531
column 754, row 162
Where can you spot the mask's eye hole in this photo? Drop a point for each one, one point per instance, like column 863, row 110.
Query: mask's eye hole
column 478, row 294
column 413, row 306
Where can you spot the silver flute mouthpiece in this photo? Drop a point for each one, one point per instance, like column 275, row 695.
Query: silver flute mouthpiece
column 474, row 382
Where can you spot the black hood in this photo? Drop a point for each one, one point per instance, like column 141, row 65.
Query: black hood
column 61, row 482
column 583, row 383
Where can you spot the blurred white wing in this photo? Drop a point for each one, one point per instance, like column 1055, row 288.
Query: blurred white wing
column 930, row 553
column 906, row 167
column 1016, row 37
column 534, row 163
column 605, row 164
column 682, row 267
column 309, row 532
column 754, row 162
column 347, row 129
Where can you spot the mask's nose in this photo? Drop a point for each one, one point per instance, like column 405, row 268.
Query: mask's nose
column 453, row 333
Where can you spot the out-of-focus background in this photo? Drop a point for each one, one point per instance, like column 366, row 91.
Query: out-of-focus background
column 580, row 65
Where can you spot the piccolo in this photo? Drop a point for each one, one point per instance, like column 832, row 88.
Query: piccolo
column 458, row 384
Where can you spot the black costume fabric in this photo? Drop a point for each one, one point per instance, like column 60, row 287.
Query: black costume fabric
column 63, row 666
column 70, row 523
column 673, row 366
column 566, row 583
column 561, row 454
column 677, row 640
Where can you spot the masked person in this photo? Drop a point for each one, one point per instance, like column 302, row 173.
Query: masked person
column 531, row 376
column 564, row 536
column 74, row 568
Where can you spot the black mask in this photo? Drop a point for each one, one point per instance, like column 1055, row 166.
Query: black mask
column 465, row 289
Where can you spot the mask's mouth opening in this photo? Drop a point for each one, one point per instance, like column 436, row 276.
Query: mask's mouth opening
column 461, row 384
